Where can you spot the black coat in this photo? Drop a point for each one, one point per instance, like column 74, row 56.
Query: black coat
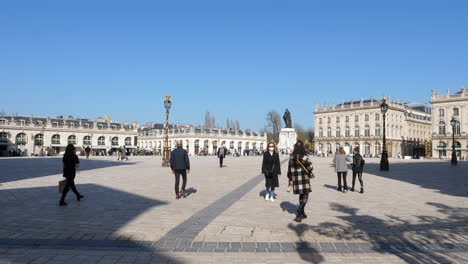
column 69, row 166
column 357, row 163
column 271, row 167
column 225, row 152
column 179, row 159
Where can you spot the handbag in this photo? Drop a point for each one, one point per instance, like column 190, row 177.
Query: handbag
column 309, row 173
column 61, row 185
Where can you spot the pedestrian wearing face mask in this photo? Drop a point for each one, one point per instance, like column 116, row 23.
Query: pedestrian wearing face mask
column 271, row 169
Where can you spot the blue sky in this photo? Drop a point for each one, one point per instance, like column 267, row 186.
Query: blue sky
column 236, row 59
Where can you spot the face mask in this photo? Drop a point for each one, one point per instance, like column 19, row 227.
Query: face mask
column 271, row 148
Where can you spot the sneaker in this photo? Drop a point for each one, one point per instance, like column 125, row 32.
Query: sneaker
column 267, row 197
column 272, row 198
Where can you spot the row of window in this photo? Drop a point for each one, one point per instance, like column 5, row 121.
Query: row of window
column 348, row 133
column 206, row 144
column 39, row 139
column 377, row 147
column 356, row 118
column 455, row 112
column 442, row 128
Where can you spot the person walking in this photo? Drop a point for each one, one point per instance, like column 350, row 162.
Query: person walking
column 271, row 169
column 357, row 167
column 222, row 152
column 299, row 174
column 87, row 151
column 341, row 168
column 70, row 163
column 180, row 166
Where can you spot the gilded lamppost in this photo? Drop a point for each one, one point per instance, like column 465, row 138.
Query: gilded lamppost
column 166, row 153
column 384, row 166
column 454, row 161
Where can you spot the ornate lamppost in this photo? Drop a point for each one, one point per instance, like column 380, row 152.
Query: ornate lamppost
column 453, row 161
column 166, row 153
column 384, row 166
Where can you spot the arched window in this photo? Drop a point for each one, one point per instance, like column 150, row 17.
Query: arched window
column 247, row 145
column 377, row 117
column 101, row 141
column 377, row 131
column 356, row 131
column 347, row 133
column 72, row 139
column 206, row 145
column 320, row 146
column 39, row 139
column 115, row 141
column 87, row 140
column 128, row 141
column 21, row 139
column 56, row 139
column 231, row 145
column 159, row 144
column 239, row 146
column 329, row 148
column 367, row 131
column 329, row 132
column 261, row 146
column 456, row 129
column 377, row 149
column 356, row 145
column 457, row 144
column 187, row 145
column 442, row 127
column 320, row 132
column 366, row 148
column 338, row 132
column 254, row 146
column 215, row 144
column 337, row 146
column 151, row 144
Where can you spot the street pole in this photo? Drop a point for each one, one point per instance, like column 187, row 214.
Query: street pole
column 384, row 166
column 453, row 161
column 166, row 153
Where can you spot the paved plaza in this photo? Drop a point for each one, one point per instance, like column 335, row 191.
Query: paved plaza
column 415, row 213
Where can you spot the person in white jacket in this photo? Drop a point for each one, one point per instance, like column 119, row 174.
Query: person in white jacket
column 341, row 167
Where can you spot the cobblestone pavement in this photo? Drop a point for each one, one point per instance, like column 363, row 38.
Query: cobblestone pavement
column 415, row 213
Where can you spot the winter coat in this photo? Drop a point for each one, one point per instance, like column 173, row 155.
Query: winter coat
column 339, row 161
column 69, row 166
column 298, row 177
column 179, row 159
column 271, row 167
column 357, row 163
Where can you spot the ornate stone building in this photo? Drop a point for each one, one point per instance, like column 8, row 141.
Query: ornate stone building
column 445, row 107
column 30, row 135
column 199, row 140
column 359, row 123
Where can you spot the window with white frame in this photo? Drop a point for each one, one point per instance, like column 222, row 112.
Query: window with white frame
column 115, row 141
column 356, row 131
column 56, row 139
column 21, row 139
column 128, row 141
column 72, row 139
column 87, row 140
column 101, row 141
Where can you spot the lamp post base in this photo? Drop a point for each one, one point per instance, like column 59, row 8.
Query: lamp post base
column 384, row 166
column 454, row 161
column 165, row 161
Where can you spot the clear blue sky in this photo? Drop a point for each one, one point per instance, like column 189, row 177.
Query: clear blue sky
column 236, row 59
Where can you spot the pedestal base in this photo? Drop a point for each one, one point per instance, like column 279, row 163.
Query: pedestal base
column 287, row 139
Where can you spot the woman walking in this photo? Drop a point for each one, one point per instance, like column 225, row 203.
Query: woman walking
column 299, row 174
column 271, row 169
column 358, row 166
column 70, row 163
column 341, row 167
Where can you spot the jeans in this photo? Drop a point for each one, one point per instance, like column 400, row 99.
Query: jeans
column 342, row 175
column 70, row 184
column 177, row 174
column 359, row 174
column 221, row 161
column 271, row 191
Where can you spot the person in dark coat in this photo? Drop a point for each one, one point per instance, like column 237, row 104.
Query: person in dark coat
column 357, row 167
column 222, row 152
column 271, row 169
column 70, row 163
column 180, row 166
column 299, row 174
column 87, row 151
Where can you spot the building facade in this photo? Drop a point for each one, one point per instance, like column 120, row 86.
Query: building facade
column 360, row 124
column 35, row 135
column 197, row 140
column 448, row 106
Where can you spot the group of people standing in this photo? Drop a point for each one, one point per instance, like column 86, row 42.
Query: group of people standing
column 340, row 162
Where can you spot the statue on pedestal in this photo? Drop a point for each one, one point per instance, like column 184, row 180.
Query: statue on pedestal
column 287, row 119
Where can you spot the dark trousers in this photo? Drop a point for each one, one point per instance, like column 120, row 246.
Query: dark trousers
column 359, row 174
column 177, row 174
column 342, row 175
column 70, row 184
column 221, row 161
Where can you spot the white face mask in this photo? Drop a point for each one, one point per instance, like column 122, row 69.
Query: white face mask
column 271, row 148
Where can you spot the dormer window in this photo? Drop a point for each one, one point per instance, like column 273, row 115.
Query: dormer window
column 3, row 122
column 54, row 124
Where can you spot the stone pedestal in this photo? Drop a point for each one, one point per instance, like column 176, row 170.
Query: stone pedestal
column 287, row 139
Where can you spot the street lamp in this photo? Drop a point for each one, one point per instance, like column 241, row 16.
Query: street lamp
column 454, row 161
column 166, row 153
column 384, row 166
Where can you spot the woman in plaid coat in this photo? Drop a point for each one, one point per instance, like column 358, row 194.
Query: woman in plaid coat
column 299, row 174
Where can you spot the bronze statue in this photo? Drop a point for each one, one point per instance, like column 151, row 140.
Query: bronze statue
column 287, row 119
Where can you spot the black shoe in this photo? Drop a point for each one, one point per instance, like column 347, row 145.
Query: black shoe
column 79, row 197
column 298, row 218
column 62, row 203
column 352, row 189
column 362, row 190
column 339, row 189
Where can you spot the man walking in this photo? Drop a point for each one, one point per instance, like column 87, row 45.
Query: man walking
column 180, row 165
column 222, row 151
column 87, row 151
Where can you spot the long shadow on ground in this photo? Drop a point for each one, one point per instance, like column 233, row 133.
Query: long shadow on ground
column 14, row 169
column 34, row 220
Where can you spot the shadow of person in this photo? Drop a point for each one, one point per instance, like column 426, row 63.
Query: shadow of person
column 330, row 187
column 289, row 207
column 190, row 191
column 262, row 193
column 306, row 251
